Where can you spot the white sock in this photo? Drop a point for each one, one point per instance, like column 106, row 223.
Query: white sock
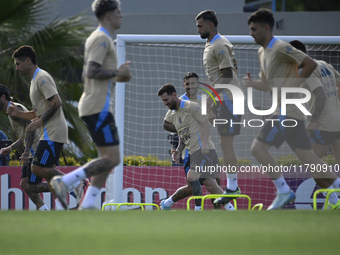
column 333, row 199
column 43, row 208
column 281, row 185
column 58, row 206
column 76, row 175
column 90, row 197
column 168, row 202
column 198, row 208
column 232, row 181
column 73, row 186
column 229, row 207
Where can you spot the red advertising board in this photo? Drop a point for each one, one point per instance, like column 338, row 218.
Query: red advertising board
column 152, row 184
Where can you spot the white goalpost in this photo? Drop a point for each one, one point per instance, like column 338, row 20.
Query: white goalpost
column 160, row 59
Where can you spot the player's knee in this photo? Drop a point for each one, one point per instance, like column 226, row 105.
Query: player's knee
column 34, row 169
column 23, row 185
column 255, row 150
column 112, row 161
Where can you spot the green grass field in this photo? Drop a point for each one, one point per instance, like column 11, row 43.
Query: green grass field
column 169, row 232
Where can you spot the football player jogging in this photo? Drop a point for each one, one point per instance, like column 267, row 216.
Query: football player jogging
column 324, row 124
column 221, row 68
column 31, row 184
column 47, row 116
column 191, row 84
column 193, row 129
column 100, row 74
column 279, row 63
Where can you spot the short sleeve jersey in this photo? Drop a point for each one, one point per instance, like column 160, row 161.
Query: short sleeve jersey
column 279, row 65
column 97, row 94
column 219, row 54
column 42, row 88
column 188, row 121
column 20, row 131
column 168, row 115
column 325, row 76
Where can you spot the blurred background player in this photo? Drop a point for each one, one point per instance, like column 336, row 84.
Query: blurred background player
column 4, row 158
column 324, row 124
column 279, row 63
column 31, row 184
column 194, row 131
column 100, row 74
column 221, row 68
column 191, row 85
column 47, row 116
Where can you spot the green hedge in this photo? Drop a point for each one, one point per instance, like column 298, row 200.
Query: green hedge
column 287, row 160
column 291, row 159
column 145, row 161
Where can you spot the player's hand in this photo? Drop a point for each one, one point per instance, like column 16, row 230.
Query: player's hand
column 205, row 148
column 247, row 80
column 123, row 74
column 176, row 155
column 210, row 105
column 311, row 126
column 12, row 110
column 5, row 151
column 35, row 124
column 24, row 158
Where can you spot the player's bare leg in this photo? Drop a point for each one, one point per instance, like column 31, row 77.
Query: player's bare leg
column 325, row 180
column 98, row 169
column 336, row 153
column 212, row 186
column 38, row 188
column 284, row 194
column 48, row 173
column 229, row 158
column 34, row 196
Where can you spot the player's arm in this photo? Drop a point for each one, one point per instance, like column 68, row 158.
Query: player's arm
column 30, row 135
column 55, row 103
column 195, row 110
column 96, row 71
column 337, row 81
column 16, row 113
column 169, row 127
column 206, row 135
column 7, row 150
column 308, row 65
column 320, row 101
column 261, row 85
column 176, row 154
column 227, row 76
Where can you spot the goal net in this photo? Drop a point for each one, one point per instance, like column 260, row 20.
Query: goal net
column 160, row 59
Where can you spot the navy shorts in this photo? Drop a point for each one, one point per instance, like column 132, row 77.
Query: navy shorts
column 296, row 137
column 102, row 128
column 324, row 137
column 47, row 153
column 225, row 112
column 186, row 165
column 200, row 163
column 26, row 172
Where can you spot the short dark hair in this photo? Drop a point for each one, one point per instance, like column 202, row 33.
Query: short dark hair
column 189, row 75
column 24, row 52
column 102, row 7
column 264, row 16
column 299, row 45
column 167, row 88
column 208, row 15
column 5, row 91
